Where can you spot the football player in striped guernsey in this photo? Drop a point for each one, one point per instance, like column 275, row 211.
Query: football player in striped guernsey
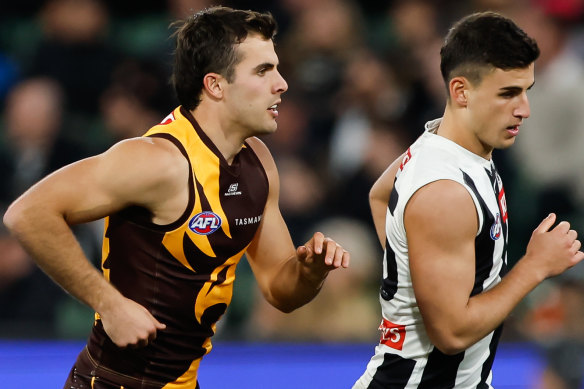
column 182, row 204
column 441, row 216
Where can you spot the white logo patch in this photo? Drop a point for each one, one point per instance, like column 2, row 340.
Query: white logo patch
column 232, row 191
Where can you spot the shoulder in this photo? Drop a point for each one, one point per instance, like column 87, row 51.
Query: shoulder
column 444, row 207
column 264, row 155
column 147, row 162
column 146, row 151
column 428, row 161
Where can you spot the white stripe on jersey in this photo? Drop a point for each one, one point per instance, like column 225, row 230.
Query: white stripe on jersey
column 405, row 357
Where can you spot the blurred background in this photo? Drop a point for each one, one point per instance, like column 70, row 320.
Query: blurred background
column 78, row 75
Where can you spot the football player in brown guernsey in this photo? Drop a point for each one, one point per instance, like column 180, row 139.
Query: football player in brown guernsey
column 181, row 204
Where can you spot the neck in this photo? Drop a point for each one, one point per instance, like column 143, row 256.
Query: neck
column 456, row 127
column 228, row 141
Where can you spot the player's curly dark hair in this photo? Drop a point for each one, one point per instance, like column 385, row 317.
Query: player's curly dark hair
column 206, row 42
column 481, row 41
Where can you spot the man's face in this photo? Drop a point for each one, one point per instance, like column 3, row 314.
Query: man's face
column 497, row 107
column 253, row 96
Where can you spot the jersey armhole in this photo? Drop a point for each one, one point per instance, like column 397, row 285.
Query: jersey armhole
column 191, row 201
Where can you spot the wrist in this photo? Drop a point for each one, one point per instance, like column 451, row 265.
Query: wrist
column 313, row 278
column 528, row 271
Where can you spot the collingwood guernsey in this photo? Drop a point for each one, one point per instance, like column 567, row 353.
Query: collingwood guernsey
column 405, row 356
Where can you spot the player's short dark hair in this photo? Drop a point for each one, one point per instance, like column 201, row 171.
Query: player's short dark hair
column 206, row 42
column 482, row 41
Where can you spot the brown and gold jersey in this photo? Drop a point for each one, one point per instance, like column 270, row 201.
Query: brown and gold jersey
column 183, row 272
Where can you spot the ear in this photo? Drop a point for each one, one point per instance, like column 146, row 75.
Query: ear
column 213, row 84
column 458, row 88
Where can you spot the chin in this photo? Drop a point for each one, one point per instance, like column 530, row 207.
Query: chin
column 270, row 129
column 506, row 144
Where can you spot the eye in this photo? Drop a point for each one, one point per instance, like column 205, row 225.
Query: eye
column 262, row 71
column 508, row 95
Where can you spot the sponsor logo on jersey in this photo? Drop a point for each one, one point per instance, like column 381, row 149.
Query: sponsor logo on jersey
column 496, row 228
column 248, row 220
column 169, row 119
column 232, row 191
column 503, row 204
column 405, row 159
column 392, row 335
column 205, row 223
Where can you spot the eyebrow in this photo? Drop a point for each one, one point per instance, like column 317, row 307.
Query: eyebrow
column 515, row 89
column 265, row 66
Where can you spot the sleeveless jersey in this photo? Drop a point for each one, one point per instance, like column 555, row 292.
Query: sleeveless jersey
column 405, row 356
column 183, row 273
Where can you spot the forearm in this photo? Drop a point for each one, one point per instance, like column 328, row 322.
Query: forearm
column 486, row 311
column 51, row 243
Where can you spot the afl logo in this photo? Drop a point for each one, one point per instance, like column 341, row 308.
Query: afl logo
column 496, row 228
column 205, row 223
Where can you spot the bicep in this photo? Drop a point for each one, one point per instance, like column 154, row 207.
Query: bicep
column 441, row 225
column 98, row 186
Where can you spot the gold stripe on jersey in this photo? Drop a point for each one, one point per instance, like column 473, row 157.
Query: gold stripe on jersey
column 105, row 250
column 218, row 293
column 188, row 379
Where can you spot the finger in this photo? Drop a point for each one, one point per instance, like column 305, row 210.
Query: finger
column 576, row 245
column 302, row 253
column 563, row 227
column 331, row 249
column 546, row 223
column 140, row 342
column 572, row 235
column 143, row 343
column 318, row 239
column 346, row 259
column 578, row 257
column 151, row 336
column 338, row 257
column 159, row 325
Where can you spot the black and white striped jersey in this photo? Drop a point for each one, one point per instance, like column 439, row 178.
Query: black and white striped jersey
column 405, row 357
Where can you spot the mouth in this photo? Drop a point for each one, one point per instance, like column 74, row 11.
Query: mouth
column 274, row 109
column 513, row 130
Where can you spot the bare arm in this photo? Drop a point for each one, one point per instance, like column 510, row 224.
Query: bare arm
column 84, row 191
column 441, row 225
column 288, row 277
column 379, row 198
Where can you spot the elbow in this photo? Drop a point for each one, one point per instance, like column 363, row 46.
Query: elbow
column 284, row 306
column 372, row 196
column 449, row 343
column 12, row 217
column 20, row 215
column 450, row 348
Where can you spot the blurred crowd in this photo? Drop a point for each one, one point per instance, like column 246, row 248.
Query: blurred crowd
column 78, row 75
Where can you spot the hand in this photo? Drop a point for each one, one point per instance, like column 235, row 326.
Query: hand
column 320, row 255
column 130, row 324
column 554, row 250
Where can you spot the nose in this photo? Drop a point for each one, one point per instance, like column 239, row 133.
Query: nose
column 280, row 85
column 522, row 110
